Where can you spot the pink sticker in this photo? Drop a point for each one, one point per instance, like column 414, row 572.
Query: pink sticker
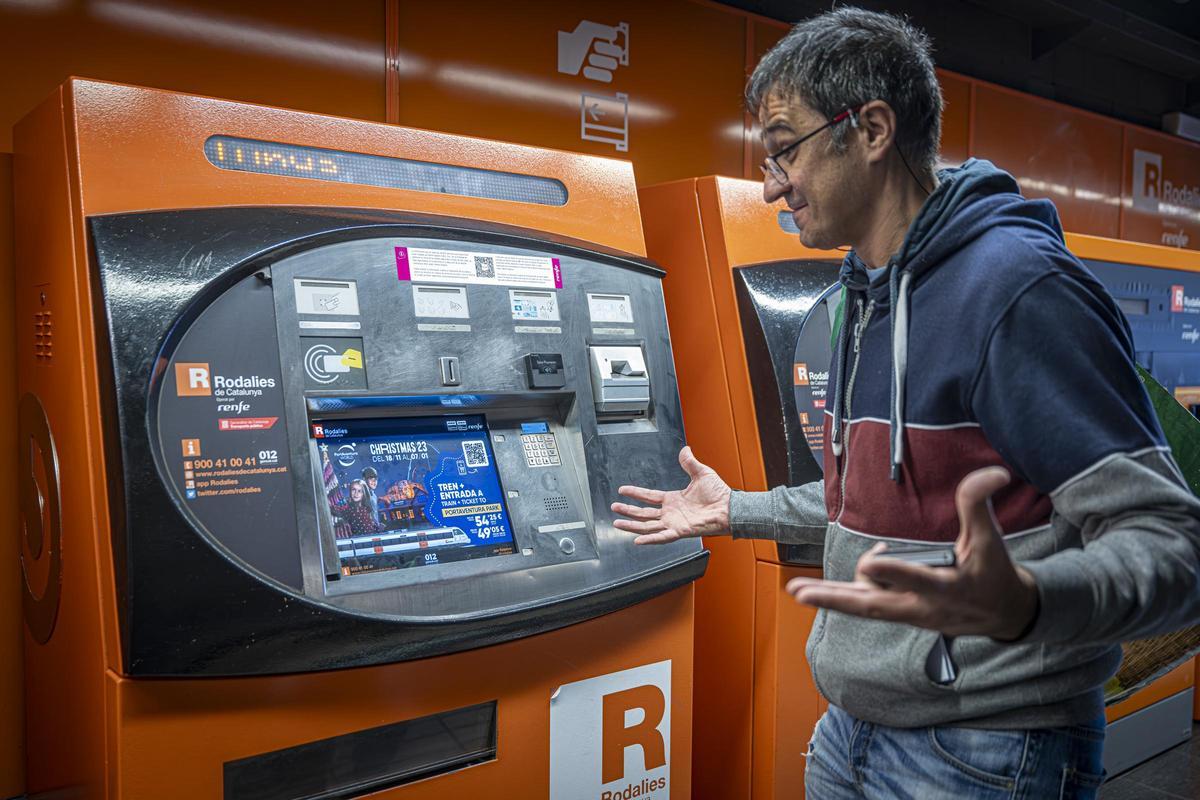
column 402, row 269
column 557, row 273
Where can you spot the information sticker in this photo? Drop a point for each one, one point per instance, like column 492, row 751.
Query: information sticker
column 610, row 308
column 326, row 297
column 441, row 301
column 494, row 269
column 531, row 305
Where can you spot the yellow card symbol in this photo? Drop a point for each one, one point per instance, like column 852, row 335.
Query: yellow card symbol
column 352, row 358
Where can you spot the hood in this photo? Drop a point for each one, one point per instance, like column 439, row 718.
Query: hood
column 968, row 200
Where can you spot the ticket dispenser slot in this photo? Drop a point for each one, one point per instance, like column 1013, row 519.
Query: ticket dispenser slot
column 620, row 382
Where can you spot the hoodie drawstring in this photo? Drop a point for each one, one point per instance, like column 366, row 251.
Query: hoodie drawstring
column 843, row 345
column 899, row 287
column 899, row 291
column 959, row 209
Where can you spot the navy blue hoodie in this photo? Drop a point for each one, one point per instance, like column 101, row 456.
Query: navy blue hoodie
column 988, row 343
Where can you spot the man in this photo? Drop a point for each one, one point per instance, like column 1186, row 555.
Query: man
column 978, row 365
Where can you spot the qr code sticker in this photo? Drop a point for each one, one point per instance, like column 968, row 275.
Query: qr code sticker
column 485, row 267
column 475, row 454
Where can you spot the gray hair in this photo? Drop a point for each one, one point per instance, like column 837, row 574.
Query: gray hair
column 849, row 56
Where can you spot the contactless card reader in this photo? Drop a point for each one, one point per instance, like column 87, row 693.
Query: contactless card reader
column 545, row 371
column 620, row 382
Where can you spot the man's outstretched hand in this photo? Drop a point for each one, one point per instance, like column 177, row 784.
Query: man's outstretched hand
column 984, row 594
column 702, row 509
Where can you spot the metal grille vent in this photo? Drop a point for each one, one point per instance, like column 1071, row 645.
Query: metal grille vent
column 342, row 166
column 43, row 336
column 556, row 503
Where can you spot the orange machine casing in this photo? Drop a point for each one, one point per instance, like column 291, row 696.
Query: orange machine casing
column 755, row 703
column 95, row 148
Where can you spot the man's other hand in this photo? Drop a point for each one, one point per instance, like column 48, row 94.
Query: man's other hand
column 985, row 594
column 702, row 509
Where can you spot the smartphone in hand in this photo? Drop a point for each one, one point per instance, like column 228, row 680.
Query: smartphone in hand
column 939, row 665
column 921, row 554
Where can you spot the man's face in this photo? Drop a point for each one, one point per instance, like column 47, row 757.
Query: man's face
column 372, row 483
column 824, row 190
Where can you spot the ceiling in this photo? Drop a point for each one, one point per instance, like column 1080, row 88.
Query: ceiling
column 1130, row 59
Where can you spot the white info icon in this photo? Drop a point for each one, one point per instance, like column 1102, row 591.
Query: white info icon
column 603, row 46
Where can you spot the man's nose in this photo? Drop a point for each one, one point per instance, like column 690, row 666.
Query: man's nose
column 773, row 189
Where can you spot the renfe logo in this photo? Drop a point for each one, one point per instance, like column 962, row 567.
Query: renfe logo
column 1154, row 193
column 192, row 379
column 610, row 736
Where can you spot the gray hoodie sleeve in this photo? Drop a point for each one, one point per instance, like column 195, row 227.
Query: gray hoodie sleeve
column 1137, row 573
column 787, row 514
column 1058, row 397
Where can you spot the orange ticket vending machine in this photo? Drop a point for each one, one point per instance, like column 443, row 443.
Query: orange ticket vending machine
column 319, row 424
column 751, row 327
column 1158, row 289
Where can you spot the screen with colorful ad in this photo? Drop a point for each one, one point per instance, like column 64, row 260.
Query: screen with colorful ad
column 411, row 492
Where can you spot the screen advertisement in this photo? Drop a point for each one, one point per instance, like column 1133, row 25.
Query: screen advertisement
column 411, row 492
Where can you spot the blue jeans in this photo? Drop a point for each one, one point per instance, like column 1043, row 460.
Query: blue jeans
column 849, row 758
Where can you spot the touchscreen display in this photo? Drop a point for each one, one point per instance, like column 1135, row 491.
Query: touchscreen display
column 411, row 492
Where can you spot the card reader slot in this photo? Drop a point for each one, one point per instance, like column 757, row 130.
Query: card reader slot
column 620, row 382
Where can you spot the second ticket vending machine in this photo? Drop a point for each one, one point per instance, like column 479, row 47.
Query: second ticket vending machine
column 751, row 331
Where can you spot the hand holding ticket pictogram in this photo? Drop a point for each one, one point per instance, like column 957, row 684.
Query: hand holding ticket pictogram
column 605, row 47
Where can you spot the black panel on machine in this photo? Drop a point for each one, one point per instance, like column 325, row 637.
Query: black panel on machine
column 208, row 605
column 774, row 301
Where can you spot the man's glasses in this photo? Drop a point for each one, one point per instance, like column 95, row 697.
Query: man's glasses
column 771, row 166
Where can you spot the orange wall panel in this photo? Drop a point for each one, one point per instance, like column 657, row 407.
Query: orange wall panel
column 761, row 36
column 956, row 117
column 766, row 34
column 1069, row 156
column 12, row 701
column 1161, row 189
column 501, row 79
column 303, row 54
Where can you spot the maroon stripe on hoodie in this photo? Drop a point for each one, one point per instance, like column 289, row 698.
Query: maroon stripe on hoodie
column 921, row 505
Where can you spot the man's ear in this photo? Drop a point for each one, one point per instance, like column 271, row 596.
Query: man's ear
column 876, row 124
